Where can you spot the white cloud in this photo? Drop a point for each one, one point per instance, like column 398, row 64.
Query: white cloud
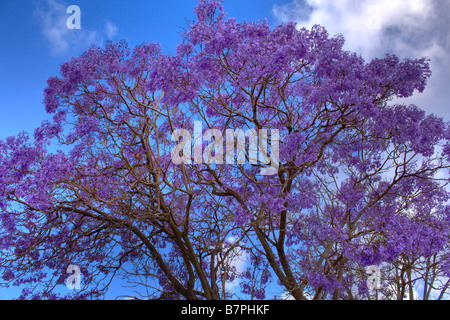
column 407, row 28
column 364, row 23
column 110, row 30
column 51, row 16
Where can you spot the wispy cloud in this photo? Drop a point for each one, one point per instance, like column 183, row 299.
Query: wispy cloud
column 408, row 28
column 51, row 16
column 110, row 30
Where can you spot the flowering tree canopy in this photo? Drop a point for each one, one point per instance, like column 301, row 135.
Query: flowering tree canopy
column 360, row 181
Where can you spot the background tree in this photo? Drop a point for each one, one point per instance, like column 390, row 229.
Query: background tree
column 361, row 181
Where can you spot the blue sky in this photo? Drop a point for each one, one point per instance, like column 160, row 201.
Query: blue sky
column 35, row 39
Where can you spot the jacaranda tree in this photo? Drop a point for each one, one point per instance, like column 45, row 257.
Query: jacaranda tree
column 359, row 180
